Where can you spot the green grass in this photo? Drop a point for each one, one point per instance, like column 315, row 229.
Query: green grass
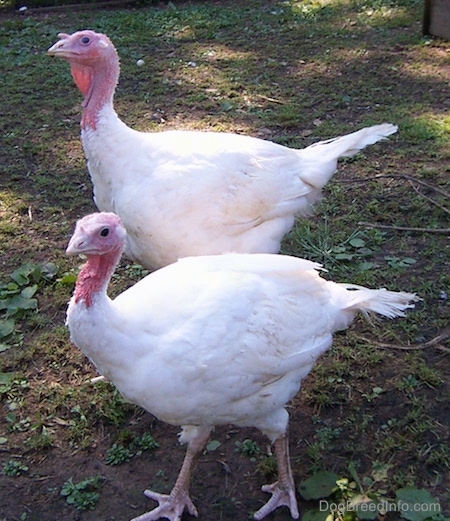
column 295, row 73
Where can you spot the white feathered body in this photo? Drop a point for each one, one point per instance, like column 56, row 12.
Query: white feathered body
column 217, row 340
column 183, row 193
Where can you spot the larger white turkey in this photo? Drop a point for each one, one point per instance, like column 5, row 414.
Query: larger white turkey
column 211, row 341
column 182, row 193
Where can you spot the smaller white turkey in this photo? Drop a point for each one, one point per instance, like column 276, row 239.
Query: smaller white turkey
column 212, row 340
column 184, row 193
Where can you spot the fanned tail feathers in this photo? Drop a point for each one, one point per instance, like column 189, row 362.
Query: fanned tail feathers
column 352, row 143
column 389, row 304
column 320, row 159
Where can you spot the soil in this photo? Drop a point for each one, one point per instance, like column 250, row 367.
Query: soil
column 226, row 484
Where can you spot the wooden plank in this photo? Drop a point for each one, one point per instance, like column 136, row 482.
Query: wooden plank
column 436, row 18
column 426, row 17
column 80, row 7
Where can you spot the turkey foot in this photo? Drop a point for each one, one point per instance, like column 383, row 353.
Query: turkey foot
column 173, row 505
column 280, row 497
column 283, row 490
column 170, row 506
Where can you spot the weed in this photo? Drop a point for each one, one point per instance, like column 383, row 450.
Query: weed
column 83, row 495
column 423, row 373
column 11, row 384
column 409, row 383
column 267, row 465
column 316, row 455
column 108, row 404
column 374, row 394
column 136, row 272
column 247, row 448
column 117, row 454
column 145, row 442
column 212, row 445
column 398, row 263
column 352, row 498
column 435, row 454
column 40, row 441
column 326, row 435
column 322, row 244
column 17, row 297
column 14, row 468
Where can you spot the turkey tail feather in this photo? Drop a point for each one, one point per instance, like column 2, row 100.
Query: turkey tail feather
column 352, row 143
column 389, row 304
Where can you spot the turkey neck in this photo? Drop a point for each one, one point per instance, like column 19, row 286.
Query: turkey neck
column 95, row 275
column 98, row 83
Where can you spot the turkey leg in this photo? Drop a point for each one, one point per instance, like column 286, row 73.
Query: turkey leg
column 283, row 490
column 172, row 506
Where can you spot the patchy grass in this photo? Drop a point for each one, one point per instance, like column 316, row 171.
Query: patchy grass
column 376, row 407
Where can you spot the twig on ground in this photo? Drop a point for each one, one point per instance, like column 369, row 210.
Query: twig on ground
column 411, row 181
column 405, row 228
column 397, row 176
column 273, row 100
column 442, row 207
column 434, row 342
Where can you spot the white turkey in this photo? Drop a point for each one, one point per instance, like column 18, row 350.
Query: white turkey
column 212, row 340
column 183, row 193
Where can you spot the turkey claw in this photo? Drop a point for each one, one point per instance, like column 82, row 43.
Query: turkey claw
column 169, row 507
column 280, row 497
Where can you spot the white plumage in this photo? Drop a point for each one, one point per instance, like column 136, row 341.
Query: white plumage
column 212, row 340
column 183, row 193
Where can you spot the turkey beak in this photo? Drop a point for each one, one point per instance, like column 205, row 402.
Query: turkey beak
column 77, row 244
column 57, row 49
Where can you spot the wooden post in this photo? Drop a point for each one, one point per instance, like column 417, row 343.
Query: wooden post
column 436, row 18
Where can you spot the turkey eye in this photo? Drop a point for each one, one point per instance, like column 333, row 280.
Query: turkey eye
column 85, row 40
column 104, row 232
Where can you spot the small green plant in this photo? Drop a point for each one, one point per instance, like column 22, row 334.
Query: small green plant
column 267, row 466
column 326, row 436
column 315, row 453
column 409, row 383
column 398, row 263
column 316, row 450
column 247, row 448
column 40, row 441
column 110, row 404
column 353, row 499
column 13, row 468
column 17, row 297
column 6, row 382
column 145, row 442
column 136, row 271
column 320, row 243
column 118, row 454
column 68, row 279
column 16, row 424
column 83, row 495
column 423, row 373
column 212, row 445
column 374, row 394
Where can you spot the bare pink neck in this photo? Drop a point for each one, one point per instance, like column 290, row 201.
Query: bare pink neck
column 95, row 275
column 98, row 84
